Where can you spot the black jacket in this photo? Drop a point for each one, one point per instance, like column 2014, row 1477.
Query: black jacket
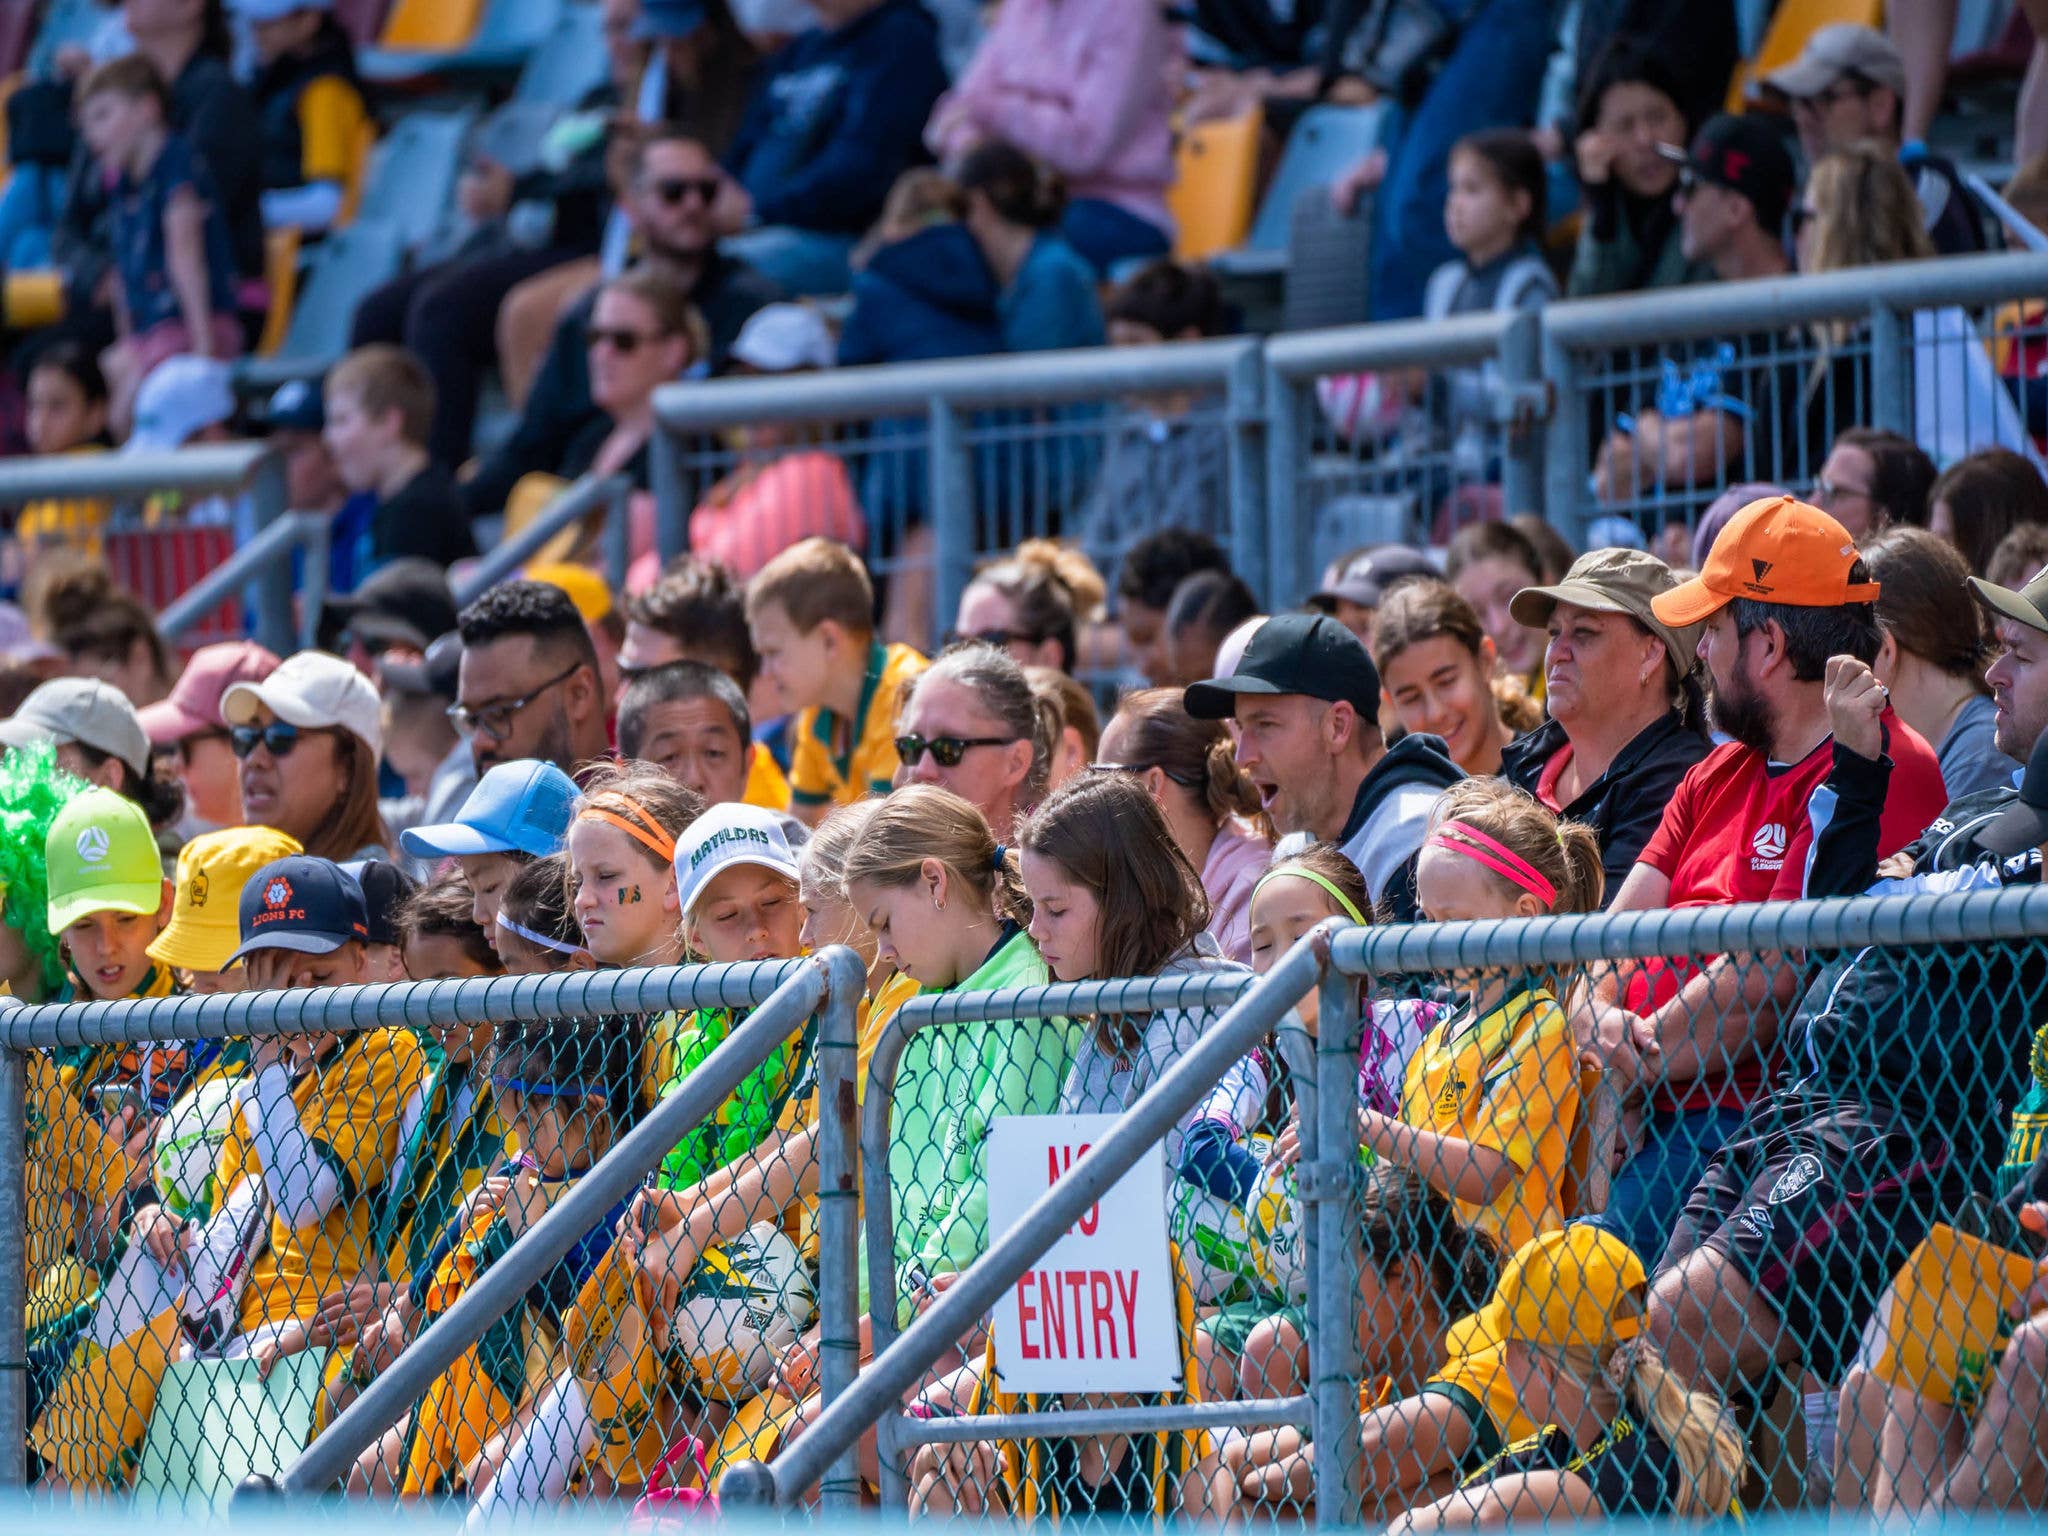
column 559, row 410
column 1624, row 805
column 1384, row 847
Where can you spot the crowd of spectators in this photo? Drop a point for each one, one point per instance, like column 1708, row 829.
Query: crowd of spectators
column 1619, row 1220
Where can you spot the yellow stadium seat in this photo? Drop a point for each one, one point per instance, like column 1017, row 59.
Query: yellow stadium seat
column 1794, row 22
column 359, row 166
column 529, row 498
column 1215, row 185
column 436, row 25
column 34, row 298
column 281, row 275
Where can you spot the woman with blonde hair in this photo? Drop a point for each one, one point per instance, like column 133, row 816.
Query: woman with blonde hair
column 1032, row 603
column 1623, row 1437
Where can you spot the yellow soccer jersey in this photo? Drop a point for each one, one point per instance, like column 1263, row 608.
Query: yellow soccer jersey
column 767, row 785
column 835, row 761
column 68, row 1154
column 1509, row 1082
column 1479, row 1383
column 352, row 1106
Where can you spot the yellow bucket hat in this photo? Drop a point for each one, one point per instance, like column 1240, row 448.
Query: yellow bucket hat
column 205, row 928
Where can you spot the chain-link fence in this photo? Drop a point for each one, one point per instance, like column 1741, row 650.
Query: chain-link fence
column 442, row 1232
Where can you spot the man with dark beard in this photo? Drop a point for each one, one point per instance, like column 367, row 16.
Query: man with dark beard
column 1782, row 592
column 529, row 684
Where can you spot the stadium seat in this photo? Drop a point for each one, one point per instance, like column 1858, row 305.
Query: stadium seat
column 502, row 36
column 341, row 270
column 569, row 63
column 65, row 22
column 1794, row 22
column 1215, row 172
column 512, row 134
column 1325, row 143
column 411, row 180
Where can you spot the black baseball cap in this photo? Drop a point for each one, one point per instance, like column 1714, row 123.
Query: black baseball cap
column 385, row 888
column 406, row 601
column 437, row 674
column 2024, row 823
column 1365, row 577
column 1295, row 653
column 1747, row 155
column 307, row 905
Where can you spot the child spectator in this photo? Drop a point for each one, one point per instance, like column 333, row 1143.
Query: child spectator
column 1492, row 1094
column 203, row 931
column 379, row 407
column 1211, row 808
column 785, row 487
column 518, row 812
column 311, row 103
column 810, row 612
column 1165, row 465
column 1440, row 671
column 536, row 931
column 67, row 413
column 1078, row 729
column 440, row 938
column 98, row 737
column 174, row 263
column 1203, row 610
column 1152, row 569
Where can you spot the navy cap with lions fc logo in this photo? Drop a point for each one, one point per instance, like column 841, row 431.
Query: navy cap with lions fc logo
column 307, row 905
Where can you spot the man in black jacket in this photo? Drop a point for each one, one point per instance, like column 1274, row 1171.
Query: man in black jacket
column 669, row 202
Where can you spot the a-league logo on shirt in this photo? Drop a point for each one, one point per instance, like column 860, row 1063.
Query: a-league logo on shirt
column 1768, row 846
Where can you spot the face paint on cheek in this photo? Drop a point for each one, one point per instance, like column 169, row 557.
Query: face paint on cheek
column 629, row 895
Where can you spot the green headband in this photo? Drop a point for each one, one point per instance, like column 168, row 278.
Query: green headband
column 1301, row 872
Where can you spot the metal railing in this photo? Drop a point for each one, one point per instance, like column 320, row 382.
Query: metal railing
column 212, row 469
column 1331, row 961
column 605, row 496
column 798, row 987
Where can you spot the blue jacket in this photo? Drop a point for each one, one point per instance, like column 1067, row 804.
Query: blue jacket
column 929, row 296
column 838, row 115
column 1051, row 303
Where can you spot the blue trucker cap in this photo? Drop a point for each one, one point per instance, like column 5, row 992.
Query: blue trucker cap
column 516, row 807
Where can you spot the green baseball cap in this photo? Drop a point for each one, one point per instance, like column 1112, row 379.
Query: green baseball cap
column 102, row 857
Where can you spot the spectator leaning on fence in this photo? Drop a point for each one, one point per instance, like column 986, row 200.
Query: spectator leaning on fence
column 1782, row 592
column 517, row 813
column 1849, row 85
column 1933, row 657
column 1626, row 712
column 1306, row 699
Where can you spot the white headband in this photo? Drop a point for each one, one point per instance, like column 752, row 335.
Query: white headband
column 521, row 931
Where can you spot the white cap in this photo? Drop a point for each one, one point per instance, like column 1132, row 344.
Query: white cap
column 181, row 397
column 1231, row 651
column 85, row 710
column 311, row 690
column 781, row 338
column 729, row 834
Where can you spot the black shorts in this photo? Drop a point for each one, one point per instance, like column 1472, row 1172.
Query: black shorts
column 1818, row 1202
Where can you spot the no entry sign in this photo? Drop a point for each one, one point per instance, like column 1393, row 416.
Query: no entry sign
column 1096, row 1312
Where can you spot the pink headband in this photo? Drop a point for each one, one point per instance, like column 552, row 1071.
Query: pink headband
column 1496, row 856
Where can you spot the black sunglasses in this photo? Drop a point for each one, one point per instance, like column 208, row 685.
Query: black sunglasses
column 673, row 190
column 621, row 341
column 945, row 750
column 999, row 638
column 279, row 738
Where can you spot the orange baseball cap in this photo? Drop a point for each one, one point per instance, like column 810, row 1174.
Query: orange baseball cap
column 1775, row 550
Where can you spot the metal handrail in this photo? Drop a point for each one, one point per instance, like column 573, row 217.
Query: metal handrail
column 592, row 493
column 292, row 532
column 898, row 1364
column 203, row 470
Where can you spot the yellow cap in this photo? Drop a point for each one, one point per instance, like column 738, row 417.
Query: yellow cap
column 205, row 926
column 1562, row 1289
column 586, row 589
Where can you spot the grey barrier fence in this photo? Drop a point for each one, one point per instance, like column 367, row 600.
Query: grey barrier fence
column 780, row 994
column 1980, row 957
column 593, row 496
column 215, row 469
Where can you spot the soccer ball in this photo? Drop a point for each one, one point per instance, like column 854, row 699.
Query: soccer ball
column 1215, row 1245
column 1279, row 1237
column 187, row 1150
column 745, row 1303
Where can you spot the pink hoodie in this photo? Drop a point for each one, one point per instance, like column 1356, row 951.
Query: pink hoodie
column 1236, row 860
column 1081, row 85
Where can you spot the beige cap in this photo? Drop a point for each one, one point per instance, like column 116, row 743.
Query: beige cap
column 311, row 690
column 1835, row 52
column 1614, row 581
column 85, row 710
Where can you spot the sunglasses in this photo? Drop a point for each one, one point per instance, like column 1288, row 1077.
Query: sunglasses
column 623, row 342
column 279, row 738
column 946, row 751
column 673, row 190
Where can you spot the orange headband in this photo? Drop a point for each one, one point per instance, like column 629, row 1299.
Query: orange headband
column 644, row 829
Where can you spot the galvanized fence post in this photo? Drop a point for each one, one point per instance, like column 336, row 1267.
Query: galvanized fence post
column 13, row 1265
column 1328, row 1180
column 617, row 538
column 671, row 504
column 1891, row 370
column 1288, row 538
column 1564, row 448
column 1524, row 410
column 1244, row 414
column 950, row 495
column 267, row 495
column 839, row 1203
